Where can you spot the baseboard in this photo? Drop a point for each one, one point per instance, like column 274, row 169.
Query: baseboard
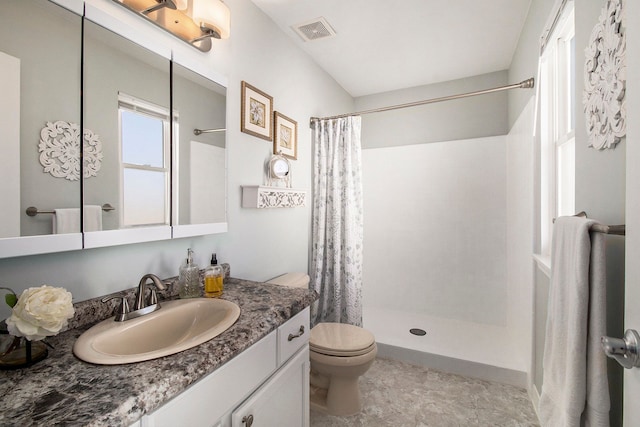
column 454, row 366
column 534, row 395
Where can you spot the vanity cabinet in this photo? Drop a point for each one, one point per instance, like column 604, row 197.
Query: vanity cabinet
column 282, row 401
column 268, row 383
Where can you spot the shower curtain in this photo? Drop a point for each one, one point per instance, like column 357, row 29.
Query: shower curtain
column 336, row 255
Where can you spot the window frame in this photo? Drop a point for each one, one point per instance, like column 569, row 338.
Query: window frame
column 136, row 105
column 557, row 125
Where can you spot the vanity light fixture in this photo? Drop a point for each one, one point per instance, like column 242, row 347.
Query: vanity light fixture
column 213, row 18
column 193, row 21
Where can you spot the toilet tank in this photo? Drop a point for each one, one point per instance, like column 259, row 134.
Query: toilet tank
column 294, row 280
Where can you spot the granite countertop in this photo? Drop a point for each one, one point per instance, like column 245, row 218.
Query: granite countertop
column 63, row 390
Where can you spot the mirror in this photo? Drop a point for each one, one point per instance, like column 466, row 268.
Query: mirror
column 40, row 125
column 132, row 191
column 127, row 107
column 199, row 154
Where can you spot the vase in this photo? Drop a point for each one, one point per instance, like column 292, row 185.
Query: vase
column 18, row 352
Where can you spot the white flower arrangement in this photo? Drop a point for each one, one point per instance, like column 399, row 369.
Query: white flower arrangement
column 40, row 312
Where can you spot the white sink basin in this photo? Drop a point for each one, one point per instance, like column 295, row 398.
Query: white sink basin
column 177, row 326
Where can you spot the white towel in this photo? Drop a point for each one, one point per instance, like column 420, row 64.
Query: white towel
column 92, row 218
column 66, row 220
column 575, row 389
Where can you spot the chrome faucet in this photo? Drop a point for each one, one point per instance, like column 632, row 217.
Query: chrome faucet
column 141, row 306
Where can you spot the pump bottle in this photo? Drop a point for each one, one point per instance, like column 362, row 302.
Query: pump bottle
column 213, row 279
column 189, row 278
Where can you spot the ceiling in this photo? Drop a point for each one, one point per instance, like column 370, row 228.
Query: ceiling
column 384, row 45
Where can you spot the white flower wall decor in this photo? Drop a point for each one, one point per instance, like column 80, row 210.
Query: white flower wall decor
column 59, row 149
column 605, row 78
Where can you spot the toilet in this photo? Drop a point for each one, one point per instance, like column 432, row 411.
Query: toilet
column 339, row 355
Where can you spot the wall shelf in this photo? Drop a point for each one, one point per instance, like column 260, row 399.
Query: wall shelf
column 261, row 197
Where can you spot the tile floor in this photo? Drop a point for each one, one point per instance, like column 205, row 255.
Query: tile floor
column 401, row 395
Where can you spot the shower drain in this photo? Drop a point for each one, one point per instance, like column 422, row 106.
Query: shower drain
column 418, row 331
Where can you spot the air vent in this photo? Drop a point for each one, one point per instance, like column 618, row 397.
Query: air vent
column 317, row 29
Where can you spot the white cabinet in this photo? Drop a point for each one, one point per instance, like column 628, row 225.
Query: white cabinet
column 282, row 401
column 269, row 380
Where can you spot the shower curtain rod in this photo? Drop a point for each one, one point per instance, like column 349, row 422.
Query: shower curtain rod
column 525, row 84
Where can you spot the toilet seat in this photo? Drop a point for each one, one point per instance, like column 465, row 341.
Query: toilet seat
column 343, row 340
column 335, row 353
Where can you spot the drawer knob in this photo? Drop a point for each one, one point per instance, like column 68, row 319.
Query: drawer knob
column 299, row 334
column 247, row 420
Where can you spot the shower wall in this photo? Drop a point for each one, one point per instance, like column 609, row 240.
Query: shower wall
column 435, row 235
column 443, row 247
column 435, row 250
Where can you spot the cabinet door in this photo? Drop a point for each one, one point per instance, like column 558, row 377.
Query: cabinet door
column 282, row 401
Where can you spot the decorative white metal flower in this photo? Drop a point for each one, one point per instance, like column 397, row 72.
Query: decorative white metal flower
column 59, row 149
column 605, row 78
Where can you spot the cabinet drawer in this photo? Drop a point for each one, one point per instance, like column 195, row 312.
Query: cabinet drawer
column 293, row 335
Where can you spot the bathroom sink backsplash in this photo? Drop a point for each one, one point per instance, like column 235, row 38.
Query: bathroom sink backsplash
column 94, row 310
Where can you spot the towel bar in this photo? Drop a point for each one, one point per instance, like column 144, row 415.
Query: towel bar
column 617, row 230
column 33, row 211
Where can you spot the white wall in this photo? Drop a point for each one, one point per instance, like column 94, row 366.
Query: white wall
column 471, row 117
column 264, row 243
column 600, row 191
column 259, row 244
column 434, row 229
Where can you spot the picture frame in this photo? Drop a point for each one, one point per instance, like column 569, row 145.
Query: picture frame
column 256, row 112
column 285, row 136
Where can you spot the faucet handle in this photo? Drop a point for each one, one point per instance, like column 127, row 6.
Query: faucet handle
column 122, row 310
column 152, row 298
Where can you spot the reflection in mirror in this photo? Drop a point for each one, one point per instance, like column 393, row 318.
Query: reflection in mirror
column 145, row 142
column 39, row 120
column 199, row 107
column 126, row 103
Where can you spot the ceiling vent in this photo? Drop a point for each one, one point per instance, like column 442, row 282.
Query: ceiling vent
column 317, row 29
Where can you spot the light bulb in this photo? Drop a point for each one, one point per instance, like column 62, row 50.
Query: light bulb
column 213, row 15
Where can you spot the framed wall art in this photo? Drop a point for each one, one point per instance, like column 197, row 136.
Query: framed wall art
column 257, row 112
column 285, row 140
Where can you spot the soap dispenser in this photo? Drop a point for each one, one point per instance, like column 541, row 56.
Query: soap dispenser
column 213, row 279
column 189, row 278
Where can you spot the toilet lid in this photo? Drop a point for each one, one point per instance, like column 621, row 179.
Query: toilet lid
column 339, row 339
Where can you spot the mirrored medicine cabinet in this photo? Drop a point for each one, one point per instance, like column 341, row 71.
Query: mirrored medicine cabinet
column 153, row 160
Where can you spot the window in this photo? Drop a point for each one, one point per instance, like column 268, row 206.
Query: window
column 144, row 142
column 557, row 125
